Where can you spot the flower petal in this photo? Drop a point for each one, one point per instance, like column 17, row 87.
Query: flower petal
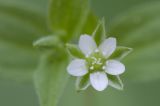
column 87, row 44
column 114, row 67
column 99, row 80
column 77, row 67
column 108, row 46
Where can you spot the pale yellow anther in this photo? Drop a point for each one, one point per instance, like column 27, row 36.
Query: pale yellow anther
column 103, row 67
column 91, row 67
column 96, row 50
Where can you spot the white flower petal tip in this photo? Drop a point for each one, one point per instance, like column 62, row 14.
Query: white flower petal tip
column 114, row 67
column 108, row 46
column 77, row 67
column 87, row 44
column 99, row 80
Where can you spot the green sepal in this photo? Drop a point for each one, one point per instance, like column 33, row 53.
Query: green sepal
column 115, row 82
column 48, row 42
column 99, row 33
column 74, row 51
column 121, row 52
column 82, row 83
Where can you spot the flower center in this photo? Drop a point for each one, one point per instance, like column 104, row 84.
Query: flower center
column 96, row 61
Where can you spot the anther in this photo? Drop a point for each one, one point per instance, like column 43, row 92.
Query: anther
column 93, row 63
column 87, row 56
column 91, row 67
column 99, row 61
column 104, row 53
column 96, row 50
column 103, row 67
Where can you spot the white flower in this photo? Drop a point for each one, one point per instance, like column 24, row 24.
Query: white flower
column 96, row 62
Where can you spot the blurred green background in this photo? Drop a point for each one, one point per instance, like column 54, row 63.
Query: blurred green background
column 20, row 19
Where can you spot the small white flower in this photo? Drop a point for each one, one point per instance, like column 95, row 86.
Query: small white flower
column 97, row 63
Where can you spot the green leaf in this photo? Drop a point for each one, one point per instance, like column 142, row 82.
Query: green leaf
column 115, row 82
column 82, row 83
column 142, row 34
column 143, row 64
column 48, row 42
column 16, row 62
column 67, row 18
column 90, row 24
column 133, row 19
column 120, row 52
column 50, row 79
column 22, row 21
column 20, row 24
column 74, row 51
column 99, row 34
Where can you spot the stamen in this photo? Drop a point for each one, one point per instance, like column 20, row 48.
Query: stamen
column 93, row 63
column 96, row 50
column 87, row 55
column 99, row 61
column 94, row 58
column 104, row 53
column 91, row 67
column 103, row 67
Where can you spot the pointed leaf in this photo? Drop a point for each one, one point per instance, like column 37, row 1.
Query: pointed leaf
column 70, row 21
column 48, row 42
column 90, row 24
column 50, row 79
